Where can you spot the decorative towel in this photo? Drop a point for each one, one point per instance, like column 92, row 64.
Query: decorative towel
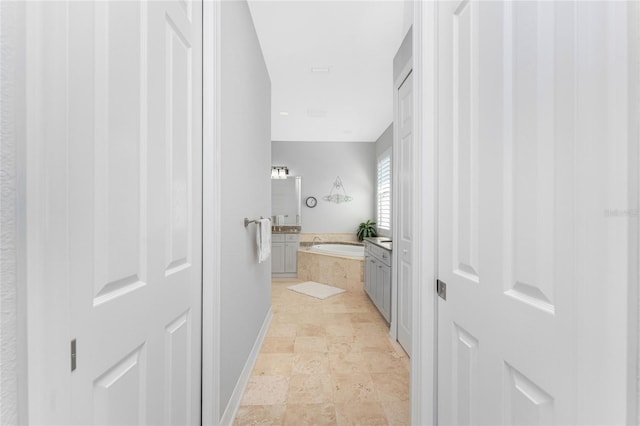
column 263, row 239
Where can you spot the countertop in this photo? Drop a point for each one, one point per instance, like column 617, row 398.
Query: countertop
column 382, row 242
column 286, row 229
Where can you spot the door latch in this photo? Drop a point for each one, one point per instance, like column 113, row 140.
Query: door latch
column 441, row 288
column 73, row 354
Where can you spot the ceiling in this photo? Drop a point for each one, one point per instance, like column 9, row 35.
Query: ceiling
column 331, row 66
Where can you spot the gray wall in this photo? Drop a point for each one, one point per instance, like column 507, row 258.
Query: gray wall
column 404, row 54
column 384, row 142
column 246, row 190
column 319, row 163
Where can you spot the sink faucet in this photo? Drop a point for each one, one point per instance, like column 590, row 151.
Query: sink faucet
column 314, row 239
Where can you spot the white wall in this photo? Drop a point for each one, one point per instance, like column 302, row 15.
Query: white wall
column 246, row 190
column 319, row 163
column 12, row 382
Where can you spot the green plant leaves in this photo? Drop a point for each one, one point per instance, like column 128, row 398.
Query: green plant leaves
column 366, row 229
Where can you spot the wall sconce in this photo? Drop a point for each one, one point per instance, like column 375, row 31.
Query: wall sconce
column 279, row 172
column 337, row 197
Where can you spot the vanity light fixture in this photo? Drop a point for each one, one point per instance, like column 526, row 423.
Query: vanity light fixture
column 337, row 197
column 279, row 172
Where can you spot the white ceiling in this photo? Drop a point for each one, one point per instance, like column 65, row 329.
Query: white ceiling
column 355, row 40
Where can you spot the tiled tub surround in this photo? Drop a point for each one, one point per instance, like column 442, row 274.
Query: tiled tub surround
column 308, row 237
column 345, row 272
column 326, row 362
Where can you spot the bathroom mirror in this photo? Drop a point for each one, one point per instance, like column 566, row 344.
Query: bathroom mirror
column 286, row 201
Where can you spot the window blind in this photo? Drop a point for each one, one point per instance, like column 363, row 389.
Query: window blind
column 384, row 191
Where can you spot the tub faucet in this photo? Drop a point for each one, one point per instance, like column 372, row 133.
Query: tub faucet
column 314, row 239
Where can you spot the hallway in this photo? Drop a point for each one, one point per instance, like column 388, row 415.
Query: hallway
column 326, row 362
column 137, row 140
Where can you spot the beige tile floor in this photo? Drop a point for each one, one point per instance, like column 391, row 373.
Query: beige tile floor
column 326, row 362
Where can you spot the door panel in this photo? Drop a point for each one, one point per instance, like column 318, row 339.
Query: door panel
column 404, row 246
column 529, row 163
column 465, row 143
column 277, row 257
column 122, row 386
column 119, row 186
column 386, row 292
column 531, row 155
column 465, row 374
column 525, row 403
column 178, row 129
column 135, row 196
column 505, row 356
column 178, row 356
column 291, row 257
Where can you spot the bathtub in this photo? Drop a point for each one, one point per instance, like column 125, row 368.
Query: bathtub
column 339, row 249
column 339, row 265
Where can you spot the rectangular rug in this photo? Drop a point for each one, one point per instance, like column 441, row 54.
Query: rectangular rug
column 314, row 289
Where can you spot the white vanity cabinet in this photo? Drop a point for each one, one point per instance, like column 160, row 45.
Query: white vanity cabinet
column 277, row 254
column 377, row 277
column 284, row 254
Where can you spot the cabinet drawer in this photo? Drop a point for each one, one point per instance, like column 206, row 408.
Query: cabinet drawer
column 379, row 253
column 277, row 238
column 293, row 238
column 385, row 256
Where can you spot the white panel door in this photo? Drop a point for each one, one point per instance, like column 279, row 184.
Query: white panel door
column 513, row 173
column 404, row 242
column 134, row 75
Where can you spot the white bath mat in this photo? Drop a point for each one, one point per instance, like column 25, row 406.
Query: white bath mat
column 317, row 290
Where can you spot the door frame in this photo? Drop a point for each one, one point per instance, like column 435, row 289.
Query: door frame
column 211, row 211
column 423, row 395
column 633, row 410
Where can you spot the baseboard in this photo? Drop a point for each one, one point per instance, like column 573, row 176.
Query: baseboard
column 284, row 275
column 230, row 412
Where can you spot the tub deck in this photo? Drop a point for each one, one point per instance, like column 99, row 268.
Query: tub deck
column 344, row 272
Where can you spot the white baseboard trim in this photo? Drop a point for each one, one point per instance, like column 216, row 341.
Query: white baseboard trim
column 230, row 412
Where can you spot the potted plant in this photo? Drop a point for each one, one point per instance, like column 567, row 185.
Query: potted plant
column 367, row 229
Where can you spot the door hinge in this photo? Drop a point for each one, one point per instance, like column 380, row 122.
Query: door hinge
column 441, row 288
column 73, row 354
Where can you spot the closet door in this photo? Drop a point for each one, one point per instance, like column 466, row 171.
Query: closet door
column 404, row 241
column 134, row 75
column 532, row 156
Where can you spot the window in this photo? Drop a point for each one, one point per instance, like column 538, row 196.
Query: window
column 384, row 193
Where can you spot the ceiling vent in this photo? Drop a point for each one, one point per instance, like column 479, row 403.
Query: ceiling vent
column 320, row 70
